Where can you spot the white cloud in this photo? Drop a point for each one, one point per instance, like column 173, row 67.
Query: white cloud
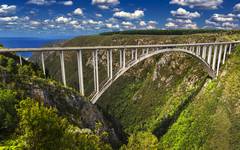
column 103, row 7
column 182, row 13
column 8, row 19
column 63, row 20
column 105, row 2
column 207, row 4
column 142, row 23
column 35, row 23
column 78, row 11
column 127, row 15
column 180, row 24
column 237, row 7
column 223, row 18
column 7, row 9
column 99, row 15
column 222, row 21
column 41, row 2
column 68, row 3
column 111, row 26
column 94, row 22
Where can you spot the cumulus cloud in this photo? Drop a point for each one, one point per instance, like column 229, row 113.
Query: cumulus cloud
column 41, row 2
column 127, row 15
column 8, row 19
column 180, row 24
column 237, row 7
column 206, row 4
column 63, row 19
column 7, row 9
column 67, row 3
column 182, row 13
column 105, row 4
column 99, row 15
column 78, row 11
column 222, row 21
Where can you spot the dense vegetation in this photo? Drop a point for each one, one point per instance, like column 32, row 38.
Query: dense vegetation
column 152, row 95
column 168, row 32
column 166, row 102
column 30, row 124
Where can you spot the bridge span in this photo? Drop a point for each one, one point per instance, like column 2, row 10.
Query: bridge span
column 210, row 55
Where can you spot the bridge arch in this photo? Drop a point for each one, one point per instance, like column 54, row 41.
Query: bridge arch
column 207, row 68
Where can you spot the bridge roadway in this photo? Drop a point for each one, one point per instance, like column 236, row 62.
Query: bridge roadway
column 210, row 55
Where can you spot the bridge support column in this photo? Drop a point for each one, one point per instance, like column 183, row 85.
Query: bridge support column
column 132, row 54
column 230, row 48
column 147, row 50
column 209, row 54
column 43, row 64
column 95, row 71
column 20, row 59
column 215, row 58
column 219, row 59
column 110, row 64
column 204, row 52
column 136, row 54
column 63, row 68
column 198, row 50
column 124, row 58
column 225, row 54
column 80, row 72
column 121, row 59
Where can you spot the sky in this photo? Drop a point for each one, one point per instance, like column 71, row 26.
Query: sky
column 68, row 18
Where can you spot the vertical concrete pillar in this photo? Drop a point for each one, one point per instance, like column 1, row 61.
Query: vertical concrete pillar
column 219, row 59
column 80, row 72
column 209, row 54
column 110, row 64
column 198, row 50
column 63, row 68
column 230, row 48
column 136, row 54
column 43, row 64
column 20, row 59
column 225, row 54
column 124, row 58
column 132, row 54
column 95, row 70
column 121, row 58
column 204, row 52
column 215, row 57
column 147, row 50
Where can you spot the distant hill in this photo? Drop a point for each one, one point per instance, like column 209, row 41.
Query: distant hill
column 169, row 32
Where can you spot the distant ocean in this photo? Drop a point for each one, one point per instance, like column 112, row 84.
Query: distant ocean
column 26, row 43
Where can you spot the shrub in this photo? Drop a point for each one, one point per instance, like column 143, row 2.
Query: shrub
column 141, row 141
column 41, row 128
column 8, row 112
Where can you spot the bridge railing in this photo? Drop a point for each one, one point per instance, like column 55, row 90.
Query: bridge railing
column 212, row 54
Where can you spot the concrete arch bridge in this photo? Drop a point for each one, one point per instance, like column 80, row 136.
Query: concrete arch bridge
column 210, row 55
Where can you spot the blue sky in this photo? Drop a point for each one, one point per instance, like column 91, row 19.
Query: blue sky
column 67, row 18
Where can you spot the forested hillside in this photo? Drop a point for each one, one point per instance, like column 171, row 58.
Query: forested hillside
column 41, row 114
column 154, row 95
column 165, row 102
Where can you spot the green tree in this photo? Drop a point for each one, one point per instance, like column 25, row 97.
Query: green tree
column 11, row 66
column 41, row 128
column 8, row 112
column 141, row 141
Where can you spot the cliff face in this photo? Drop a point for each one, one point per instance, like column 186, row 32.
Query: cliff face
column 68, row 102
